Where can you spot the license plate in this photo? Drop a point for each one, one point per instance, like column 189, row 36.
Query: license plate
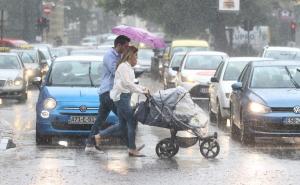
column 292, row 121
column 78, row 120
column 204, row 90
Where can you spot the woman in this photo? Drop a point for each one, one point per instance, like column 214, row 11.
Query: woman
column 123, row 87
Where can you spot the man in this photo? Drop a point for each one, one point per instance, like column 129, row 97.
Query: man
column 110, row 60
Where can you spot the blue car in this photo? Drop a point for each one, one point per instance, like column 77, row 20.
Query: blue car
column 266, row 101
column 68, row 101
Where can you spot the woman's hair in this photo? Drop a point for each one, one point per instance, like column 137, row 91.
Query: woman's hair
column 129, row 52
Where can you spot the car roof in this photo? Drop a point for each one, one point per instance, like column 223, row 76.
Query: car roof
column 81, row 58
column 246, row 59
column 178, row 43
column 206, row 53
column 278, row 48
column 274, row 63
column 9, row 54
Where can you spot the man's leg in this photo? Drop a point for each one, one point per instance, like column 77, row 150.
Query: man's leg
column 103, row 112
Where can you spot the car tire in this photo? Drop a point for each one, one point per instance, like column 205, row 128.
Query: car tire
column 245, row 136
column 42, row 140
column 212, row 116
column 234, row 130
column 221, row 122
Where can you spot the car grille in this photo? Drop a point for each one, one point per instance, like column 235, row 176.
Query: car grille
column 2, row 82
column 282, row 109
column 267, row 127
column 196, row 91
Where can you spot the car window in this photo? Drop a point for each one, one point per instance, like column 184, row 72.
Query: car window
column 75, row 73
column 145, row 54
column 176, row 61
column 275, row 77
column 203, row 62
column 9, row 62
column 27, row 58
column 219, row 71
column 233, row 70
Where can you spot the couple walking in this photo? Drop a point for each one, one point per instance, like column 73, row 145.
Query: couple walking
column 117, row 85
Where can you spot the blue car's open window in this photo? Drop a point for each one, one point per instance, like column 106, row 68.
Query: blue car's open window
column 276, row 77
column 86, row 74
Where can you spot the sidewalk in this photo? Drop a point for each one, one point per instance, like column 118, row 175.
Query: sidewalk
column 6, row 136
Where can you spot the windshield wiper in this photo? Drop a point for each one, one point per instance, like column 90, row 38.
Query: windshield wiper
column 291, row 77
column 90, row 77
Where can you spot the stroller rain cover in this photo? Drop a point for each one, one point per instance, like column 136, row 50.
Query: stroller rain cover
column 172, row 104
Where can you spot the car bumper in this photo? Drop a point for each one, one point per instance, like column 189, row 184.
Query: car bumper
column 199, row 91
column 11, row 94
column 57, row 125
column 272, row 125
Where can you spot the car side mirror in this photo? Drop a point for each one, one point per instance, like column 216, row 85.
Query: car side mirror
column 175, row 69
column 237, row 86
column 214, row 79
column 37, row 81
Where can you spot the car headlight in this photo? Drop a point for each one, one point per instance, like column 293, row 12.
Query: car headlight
column 29, row 72
column 259, row 108
column 18, row 82
column 49, row 103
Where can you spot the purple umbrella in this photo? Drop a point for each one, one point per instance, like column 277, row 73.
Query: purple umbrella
column 140, row 35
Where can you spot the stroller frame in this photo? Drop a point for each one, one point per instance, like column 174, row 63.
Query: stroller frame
column 169, row 147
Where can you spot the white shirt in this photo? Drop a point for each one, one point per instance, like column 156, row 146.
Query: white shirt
column 124, row 82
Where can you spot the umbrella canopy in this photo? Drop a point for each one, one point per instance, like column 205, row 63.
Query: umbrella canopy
column 140, row 35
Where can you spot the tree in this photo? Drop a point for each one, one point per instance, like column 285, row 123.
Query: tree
column 190, row 18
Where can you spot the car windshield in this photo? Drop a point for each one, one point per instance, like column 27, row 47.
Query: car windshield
column 203, row 62
column 75, row 73
column 233, row 70
column 88, row 52
column 188, row 48
column 283, row 55
column 9, row 62
column 59, row 52
column 276, row 77
column 145, row 54
column 176, row 60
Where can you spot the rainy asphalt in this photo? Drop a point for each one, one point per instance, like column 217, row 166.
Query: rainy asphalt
column 269, row 161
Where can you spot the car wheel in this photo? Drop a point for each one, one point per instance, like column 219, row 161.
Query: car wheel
column 220, row 120
column 42, row 140
column 245, row 136
column 212, row 116
column 234, row 130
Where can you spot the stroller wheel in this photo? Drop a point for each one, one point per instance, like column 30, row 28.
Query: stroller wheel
column 166, row 149
column 209, row 148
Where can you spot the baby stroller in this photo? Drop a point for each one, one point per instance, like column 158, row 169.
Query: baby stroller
column 174, row 109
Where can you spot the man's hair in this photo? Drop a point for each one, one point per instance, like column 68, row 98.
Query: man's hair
column 121, row 39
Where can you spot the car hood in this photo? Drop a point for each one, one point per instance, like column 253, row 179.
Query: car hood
column 201, row 76
column 279, row 97
column 10, row 74
column 73, row 94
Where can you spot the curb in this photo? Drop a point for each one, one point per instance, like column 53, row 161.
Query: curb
column 6, row 133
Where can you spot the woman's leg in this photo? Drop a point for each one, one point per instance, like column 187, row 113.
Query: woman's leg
column 125, row 111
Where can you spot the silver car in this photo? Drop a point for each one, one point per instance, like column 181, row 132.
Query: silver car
column 13, row 82
column 170, row 76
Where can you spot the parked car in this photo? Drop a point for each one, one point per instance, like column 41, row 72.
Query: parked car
column 94, row 52
column 59, row 52
column 46, row 50
column 13, row 82
column 265, row 101
column 196, row 70
column 170, row 76
column 281, row 53
column 68, row 101
column 220, row 87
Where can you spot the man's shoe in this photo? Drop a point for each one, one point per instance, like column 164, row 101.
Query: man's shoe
column 140, row 147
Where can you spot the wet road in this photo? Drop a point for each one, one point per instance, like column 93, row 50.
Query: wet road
column 270, row 161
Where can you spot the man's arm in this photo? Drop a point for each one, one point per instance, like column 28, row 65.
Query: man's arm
column 110, row 64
